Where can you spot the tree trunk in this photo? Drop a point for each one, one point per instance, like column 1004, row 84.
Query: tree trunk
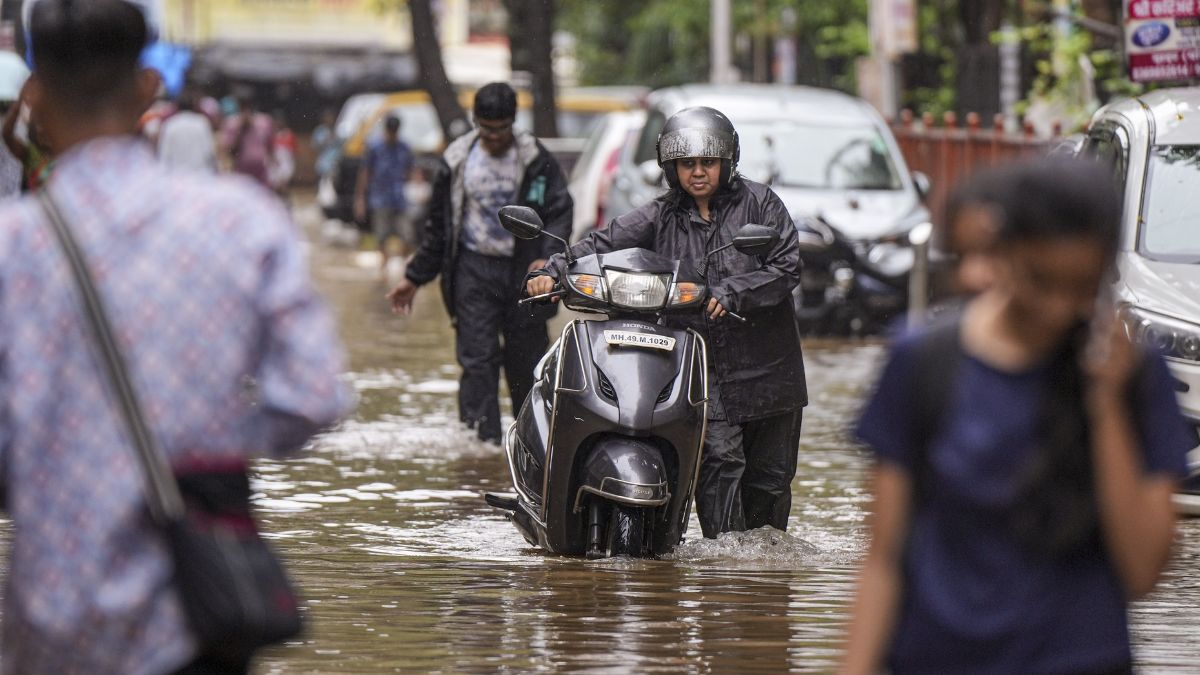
column 433, row 72
column 531, row 39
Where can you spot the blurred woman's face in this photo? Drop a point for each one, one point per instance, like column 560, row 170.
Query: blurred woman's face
column 699, row 176
column 972, row 237
column 1052, row 284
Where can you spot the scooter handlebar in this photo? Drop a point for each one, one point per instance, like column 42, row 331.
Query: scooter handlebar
column 545, row 297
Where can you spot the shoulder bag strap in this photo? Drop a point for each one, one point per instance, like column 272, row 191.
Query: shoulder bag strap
column 162, row 492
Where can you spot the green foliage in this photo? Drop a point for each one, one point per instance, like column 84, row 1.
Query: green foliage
column 666, row 42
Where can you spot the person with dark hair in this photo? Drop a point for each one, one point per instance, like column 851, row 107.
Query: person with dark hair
column 379, row 194
column 1025, row 457
column 481, row 265
column 229, row 349
column 757, row 388
column 186, row 141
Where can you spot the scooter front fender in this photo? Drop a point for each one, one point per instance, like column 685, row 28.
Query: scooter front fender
column 626, row 470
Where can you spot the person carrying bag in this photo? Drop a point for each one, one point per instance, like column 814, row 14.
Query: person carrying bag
column 157, row 329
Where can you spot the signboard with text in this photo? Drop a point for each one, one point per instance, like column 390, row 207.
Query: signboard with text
column 1162, row 40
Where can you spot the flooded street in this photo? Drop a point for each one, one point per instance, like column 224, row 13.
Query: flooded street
column 405, row 568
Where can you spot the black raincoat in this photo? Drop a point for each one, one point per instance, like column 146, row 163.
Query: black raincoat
column 757, row 369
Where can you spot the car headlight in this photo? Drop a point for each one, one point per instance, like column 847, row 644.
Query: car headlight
column 637, row 291
column 686, row 293
column 1176, row 339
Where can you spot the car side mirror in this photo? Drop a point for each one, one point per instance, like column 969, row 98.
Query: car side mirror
column 922, row 184
column 753, row 239
column 521, row 221
column 651, row 172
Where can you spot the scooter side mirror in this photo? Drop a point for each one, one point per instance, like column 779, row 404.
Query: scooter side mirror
column 811, row 242
column 753, row 239
column 521, row 221
column 813, row 235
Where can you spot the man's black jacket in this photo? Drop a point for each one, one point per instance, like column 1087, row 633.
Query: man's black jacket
column 543, row 187
column 757, row 366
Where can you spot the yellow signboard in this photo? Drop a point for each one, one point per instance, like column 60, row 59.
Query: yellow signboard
column 333, row 23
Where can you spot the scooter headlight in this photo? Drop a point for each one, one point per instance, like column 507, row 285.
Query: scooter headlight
column 1176, row 339
column 632, row 290
column 686, row 293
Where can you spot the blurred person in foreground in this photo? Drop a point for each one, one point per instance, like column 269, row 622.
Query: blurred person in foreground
column 379, row 193
column 186, row 141
column 231, row 351
column 248, row 141
column 483, row 266
column 757, row 389
column 1026, row 454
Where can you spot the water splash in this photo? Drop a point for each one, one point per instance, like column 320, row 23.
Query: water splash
column 764, row 547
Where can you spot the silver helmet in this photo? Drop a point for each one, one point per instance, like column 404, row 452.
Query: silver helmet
column 698, row 132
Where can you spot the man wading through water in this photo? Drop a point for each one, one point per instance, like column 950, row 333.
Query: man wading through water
column 482, row 265
column 756, row 371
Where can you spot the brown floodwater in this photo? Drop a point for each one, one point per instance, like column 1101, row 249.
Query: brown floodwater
column 403, row 568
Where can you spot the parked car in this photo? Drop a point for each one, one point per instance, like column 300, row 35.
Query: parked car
column 591, row 177
column 833, row 160
column 1152, row 143
column 578, row 110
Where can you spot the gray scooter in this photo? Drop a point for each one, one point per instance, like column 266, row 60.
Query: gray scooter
column 605, row 452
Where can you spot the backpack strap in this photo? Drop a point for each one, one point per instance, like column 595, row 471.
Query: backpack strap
column 937, row 359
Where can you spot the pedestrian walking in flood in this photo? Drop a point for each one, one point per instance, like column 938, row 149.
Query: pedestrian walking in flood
column 186, row 141
column 379, row 195
column 227, row 348
column 482, row 266
column 248, row 142
column 757, row 389
column 1025, row 457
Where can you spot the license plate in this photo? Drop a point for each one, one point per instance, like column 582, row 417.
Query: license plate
column 646, row 340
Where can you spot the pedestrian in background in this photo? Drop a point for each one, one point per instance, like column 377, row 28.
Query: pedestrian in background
column 31, row 151
column 379, row 193
column 482, row 266
column 230, row 350
column 186, row 141
column 248, row 141
column 1025, row 458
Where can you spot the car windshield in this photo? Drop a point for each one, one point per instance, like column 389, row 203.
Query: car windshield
column 1171, row 222
column 419, row 127
column 354, row 112
column 825, row 157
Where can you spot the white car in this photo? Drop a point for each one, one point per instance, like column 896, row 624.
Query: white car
column 1153, row 145
column 591, row 177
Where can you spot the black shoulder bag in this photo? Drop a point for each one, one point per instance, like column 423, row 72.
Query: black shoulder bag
column 235, row 592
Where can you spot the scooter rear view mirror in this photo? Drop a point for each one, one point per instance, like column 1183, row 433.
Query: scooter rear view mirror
column 753, row 239
column 521, row 221
column 811, row 242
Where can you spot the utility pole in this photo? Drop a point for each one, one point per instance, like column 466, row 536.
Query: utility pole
column 721, row 32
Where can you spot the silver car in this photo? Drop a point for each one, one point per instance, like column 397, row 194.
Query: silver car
column 1152, row 144
column 832, row 159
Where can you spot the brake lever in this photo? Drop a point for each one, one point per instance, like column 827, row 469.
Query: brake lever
column 545, row 296
column 734, row 315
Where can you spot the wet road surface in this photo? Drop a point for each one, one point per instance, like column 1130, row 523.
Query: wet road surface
column 403, row 568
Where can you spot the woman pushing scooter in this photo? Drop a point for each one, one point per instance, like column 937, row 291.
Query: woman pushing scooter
column 756, row 371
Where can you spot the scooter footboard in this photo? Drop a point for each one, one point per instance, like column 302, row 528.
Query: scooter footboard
column 624, row 469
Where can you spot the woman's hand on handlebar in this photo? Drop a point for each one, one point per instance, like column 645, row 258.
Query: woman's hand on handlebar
column 715, row 310
column 540, row 285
